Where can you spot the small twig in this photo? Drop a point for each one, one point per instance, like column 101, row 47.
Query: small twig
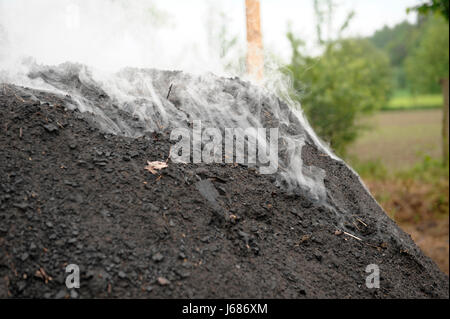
column 361, row 222
column 373, row 246
column 43, row 275
column 19, row 98
column 353, row 236
column 20, row 132
column 170, row 89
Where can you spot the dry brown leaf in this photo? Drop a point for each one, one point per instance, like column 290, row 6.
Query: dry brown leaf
column 152, row 167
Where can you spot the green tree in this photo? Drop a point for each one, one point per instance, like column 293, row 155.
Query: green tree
column 429, row 62
column 398, row 42
column 434, row 6
column 351, row 78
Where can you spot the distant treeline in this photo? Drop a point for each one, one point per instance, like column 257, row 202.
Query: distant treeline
column 418, row 53
column 354, row 77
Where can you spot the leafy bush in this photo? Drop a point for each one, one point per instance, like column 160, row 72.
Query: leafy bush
column 373, row 169
column 430, row 60
column 349, row 79
column 436, row 6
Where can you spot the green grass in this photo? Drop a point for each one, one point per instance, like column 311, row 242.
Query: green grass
column 428, row 170
column 399, row 139
column 403, row 100
column 374, row 169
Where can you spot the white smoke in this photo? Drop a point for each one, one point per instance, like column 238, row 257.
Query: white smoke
column 108, row 37
column 109, row 34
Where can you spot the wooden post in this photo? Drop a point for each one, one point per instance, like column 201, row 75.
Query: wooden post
column 255, row 58
column 444, row 83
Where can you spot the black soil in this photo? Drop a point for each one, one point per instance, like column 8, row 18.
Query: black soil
column 71, row 194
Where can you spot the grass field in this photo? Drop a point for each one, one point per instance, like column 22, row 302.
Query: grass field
column 399, row 159
column 400, row 139
column 403, row 100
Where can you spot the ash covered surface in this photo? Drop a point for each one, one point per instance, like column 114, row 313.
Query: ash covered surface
column 72, row 194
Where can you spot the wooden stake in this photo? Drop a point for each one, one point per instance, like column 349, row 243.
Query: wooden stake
column 255, row 58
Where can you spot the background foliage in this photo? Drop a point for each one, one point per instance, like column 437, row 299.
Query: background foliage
column 350, row 79
column 398, row 67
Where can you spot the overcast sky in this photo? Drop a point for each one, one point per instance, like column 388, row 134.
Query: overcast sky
column 109, row 34
column 275, row 15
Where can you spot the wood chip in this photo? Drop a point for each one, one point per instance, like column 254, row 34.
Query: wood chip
column 163, row 281
column 152, row 167
column 305, row 238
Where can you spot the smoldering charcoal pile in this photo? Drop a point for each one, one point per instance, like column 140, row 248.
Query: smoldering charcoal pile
column 73, row 190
